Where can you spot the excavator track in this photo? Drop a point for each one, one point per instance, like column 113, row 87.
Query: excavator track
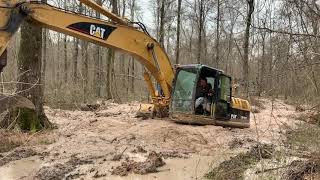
column 201, row 120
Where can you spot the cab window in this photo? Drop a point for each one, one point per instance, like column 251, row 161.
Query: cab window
column 183, row 91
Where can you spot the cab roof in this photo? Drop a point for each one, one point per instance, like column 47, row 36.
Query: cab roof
column 198, row 66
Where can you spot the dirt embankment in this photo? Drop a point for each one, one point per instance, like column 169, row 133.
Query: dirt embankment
column 110, row 142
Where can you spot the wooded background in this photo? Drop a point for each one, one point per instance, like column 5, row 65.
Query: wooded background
column 269, row 47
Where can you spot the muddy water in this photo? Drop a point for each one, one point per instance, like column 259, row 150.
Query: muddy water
column 194, row 167
column 178, row 169
column 20, row 169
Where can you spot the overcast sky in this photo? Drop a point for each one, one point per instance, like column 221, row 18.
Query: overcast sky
column 146, row 12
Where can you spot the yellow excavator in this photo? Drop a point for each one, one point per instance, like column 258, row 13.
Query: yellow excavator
column 195, row 93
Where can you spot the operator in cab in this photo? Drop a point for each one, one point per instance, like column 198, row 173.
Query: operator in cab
column 204, row 97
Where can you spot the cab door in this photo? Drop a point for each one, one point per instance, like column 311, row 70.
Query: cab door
column 184, row 87
column 223, row 97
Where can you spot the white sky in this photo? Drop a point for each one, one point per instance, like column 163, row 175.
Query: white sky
column 146, row 12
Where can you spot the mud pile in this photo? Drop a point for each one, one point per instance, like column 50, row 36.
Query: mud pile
column 150, row 165
column 300, row 169
column 16, row 155
column 59, row 170
column 234, row 168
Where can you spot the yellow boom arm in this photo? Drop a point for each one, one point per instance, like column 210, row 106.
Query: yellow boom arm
column 116, row 35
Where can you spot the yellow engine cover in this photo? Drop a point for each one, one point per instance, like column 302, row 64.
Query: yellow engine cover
column 241, row 104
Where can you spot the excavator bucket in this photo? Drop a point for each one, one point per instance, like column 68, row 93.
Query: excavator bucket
column 146, row 111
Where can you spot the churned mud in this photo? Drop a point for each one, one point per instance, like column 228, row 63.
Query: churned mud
column 109, row 142
column 150, row 165
column 234, row 168
column 16, row 155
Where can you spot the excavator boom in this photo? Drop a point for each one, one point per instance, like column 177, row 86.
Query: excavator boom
column 117, row 35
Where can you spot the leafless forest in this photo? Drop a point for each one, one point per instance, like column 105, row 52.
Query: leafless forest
column 273, row 50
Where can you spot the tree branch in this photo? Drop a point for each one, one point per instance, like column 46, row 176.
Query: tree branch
column 284, row 32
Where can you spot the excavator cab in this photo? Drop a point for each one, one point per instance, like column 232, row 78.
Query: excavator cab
column 203, row 95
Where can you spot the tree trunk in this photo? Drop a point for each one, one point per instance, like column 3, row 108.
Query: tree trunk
column 162, row 23
column 58, row 70
column 132, row 61
column 75, row 60
column 200, row 31
column 44, row 55
column 218, row 36
column 75, row 53
column 85, row 70
column 65, row 41
column 190, row 44
column 110, row 59
column 97, row 63
column 29, row 71
column 85, row 59
column 122, row 57
column 262, row 65
column 65, row 73
column 178, row 32
column 246, row 48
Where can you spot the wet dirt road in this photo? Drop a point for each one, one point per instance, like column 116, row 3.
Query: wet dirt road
column 86, row 143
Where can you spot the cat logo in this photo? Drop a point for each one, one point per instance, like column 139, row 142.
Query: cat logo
column 98, row 32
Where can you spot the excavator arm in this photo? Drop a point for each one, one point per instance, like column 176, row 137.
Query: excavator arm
column 118, row 34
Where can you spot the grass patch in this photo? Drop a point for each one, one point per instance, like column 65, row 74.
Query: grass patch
column 316, row 118
column 306, row 136
column 255, row 110
column 7, row 145
column 11, row 140
column 302, row 117
column 257, row 103
column 234, row 168
column 302, row 169
column 46, row 141
column 310, row 117
column 8, row 142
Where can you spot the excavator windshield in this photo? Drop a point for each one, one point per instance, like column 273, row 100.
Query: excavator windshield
column 197, row 88
column 184, row 90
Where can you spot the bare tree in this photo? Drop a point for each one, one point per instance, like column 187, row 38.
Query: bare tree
column 178, row 32
column 218, row 34
column 110, row 58
column 75, row 52
column 98, row 62
column 29, row 70
column 131, row 66
column 65, row 51
column 246, row 47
